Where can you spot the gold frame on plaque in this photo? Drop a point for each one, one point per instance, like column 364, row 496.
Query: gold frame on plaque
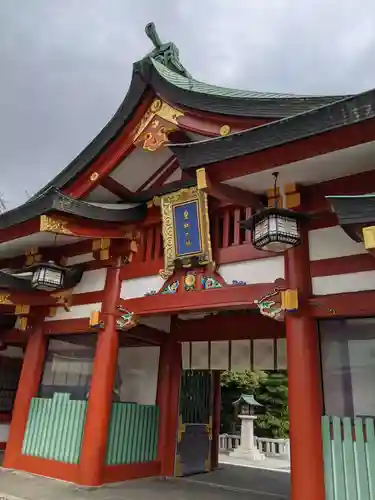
column 168, row 202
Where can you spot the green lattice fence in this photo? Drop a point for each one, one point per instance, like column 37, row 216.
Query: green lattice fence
column 54, row 428
column 133, row 434
column 349, row 458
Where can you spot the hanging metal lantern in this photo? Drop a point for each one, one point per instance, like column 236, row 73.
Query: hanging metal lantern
column 48, row 277
column 275, row 229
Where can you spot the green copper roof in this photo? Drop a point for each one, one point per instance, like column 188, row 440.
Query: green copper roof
column 193, row 85
column 247, row 399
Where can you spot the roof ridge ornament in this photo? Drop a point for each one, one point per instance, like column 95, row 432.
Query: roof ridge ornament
column 152, row 34
column 165, row 53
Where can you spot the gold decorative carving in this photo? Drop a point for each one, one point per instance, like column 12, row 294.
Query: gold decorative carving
column 94, row 176
column 5, row 299
column 157, row 201
column 145, row 121
column 168, row 203
column 190, row 281
column 156, row 106
column 169, row 113
column 225, row 130
column 159, row 120
column 165, row 273
column 52, row 225
column 155, row 136
column 22, row 309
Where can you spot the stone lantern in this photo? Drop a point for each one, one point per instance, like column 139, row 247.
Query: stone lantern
column 248, row 409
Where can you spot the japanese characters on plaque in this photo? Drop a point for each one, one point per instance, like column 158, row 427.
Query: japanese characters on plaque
column 186, row 231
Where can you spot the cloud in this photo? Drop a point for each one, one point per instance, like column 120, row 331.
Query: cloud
column 66, row 64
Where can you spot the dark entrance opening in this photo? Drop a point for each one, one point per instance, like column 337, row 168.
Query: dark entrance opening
column 194, row 434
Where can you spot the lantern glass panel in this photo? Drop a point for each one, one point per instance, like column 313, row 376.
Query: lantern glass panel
column 46, row 278
column 276, row 233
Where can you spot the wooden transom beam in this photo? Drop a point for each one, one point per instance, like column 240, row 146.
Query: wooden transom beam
column 227, row 193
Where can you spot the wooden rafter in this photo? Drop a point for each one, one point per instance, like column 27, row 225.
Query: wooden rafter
column 161, row 175
column 116, row 188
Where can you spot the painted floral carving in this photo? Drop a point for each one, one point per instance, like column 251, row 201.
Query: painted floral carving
column 210, row 282
column 172, row 287
column 190, row 281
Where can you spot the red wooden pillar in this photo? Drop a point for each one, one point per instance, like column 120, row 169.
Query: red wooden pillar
column 28, row 385
column 305, row 399
column 162, row 396
column 168, row 401
column 216, row 420
column 94, row 442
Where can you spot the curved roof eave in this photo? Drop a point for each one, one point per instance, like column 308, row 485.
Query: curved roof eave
column 347, row 111
column 53, row 200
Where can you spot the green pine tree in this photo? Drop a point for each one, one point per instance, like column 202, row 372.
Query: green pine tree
column 272, row 392
column 269, row 389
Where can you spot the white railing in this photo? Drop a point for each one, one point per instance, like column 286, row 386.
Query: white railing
column 270, row 447
column 228, row 442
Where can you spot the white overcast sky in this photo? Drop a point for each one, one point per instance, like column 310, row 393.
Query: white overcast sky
column 65, row 65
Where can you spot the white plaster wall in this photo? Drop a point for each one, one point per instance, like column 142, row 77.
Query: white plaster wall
column 332, row 242
column 79, row 259
column 4, row 433
column 254, row 271
column 343, row 283
column 139, row 367
column 92, row 281
column 138, row 287
column 83, row 311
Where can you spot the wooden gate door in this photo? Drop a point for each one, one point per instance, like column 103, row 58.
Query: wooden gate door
column 193, row 454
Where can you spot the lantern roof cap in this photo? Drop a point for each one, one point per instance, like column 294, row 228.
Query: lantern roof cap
column 247, row 399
